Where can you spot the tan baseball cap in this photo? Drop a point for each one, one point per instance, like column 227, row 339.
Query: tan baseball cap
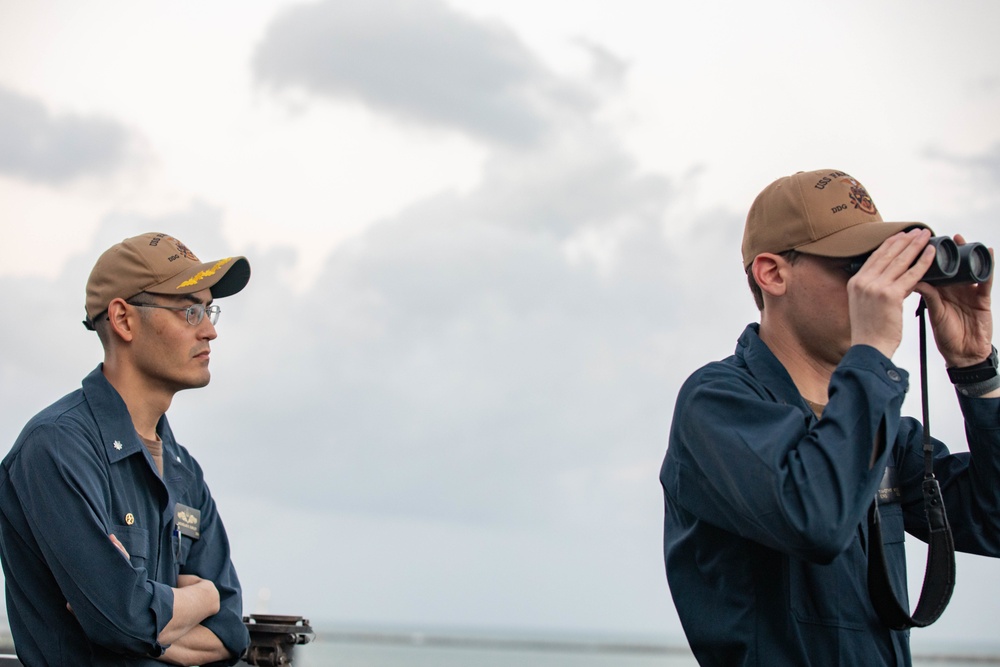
column 159, row 264
column 824, row 212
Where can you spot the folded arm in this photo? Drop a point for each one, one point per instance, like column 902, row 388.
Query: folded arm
column 198, row 646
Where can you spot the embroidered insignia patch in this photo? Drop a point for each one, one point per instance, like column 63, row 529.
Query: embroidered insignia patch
column 861, row 199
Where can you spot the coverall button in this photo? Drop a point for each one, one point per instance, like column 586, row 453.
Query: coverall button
column 893, row 375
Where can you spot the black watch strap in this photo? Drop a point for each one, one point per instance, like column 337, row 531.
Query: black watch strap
column 984, row 370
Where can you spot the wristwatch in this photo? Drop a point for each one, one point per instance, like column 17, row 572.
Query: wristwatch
column 978, row 379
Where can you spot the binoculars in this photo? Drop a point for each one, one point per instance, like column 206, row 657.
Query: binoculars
column 953, row 263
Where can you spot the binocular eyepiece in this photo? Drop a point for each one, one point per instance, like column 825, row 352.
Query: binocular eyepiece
column 953, row 263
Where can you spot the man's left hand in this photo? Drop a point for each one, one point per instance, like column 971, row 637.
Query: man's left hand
column 961, row 319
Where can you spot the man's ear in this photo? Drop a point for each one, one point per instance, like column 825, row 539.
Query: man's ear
column 121, row 320
column 771, row 273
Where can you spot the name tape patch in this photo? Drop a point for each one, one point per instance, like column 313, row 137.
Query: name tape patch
column 188, row 520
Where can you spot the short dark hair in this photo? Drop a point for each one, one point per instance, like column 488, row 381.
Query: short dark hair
column 758, row 296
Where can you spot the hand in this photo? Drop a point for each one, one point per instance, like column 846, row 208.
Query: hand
column 961, row 319
column 207, row 588
column 207, row 591
column 876, row 293
column 121, row 547
column 184, row 580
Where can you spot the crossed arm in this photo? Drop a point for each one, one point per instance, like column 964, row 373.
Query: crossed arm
column 190, row 643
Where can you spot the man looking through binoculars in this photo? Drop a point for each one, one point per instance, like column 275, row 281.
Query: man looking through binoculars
column 777, row 452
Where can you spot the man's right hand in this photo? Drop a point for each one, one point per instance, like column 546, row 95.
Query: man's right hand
column 876, row 293
column 120, row 546
column 185, row 580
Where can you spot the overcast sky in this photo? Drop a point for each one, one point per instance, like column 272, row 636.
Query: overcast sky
column 489, row 240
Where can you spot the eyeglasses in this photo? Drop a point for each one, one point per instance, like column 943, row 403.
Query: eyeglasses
column 194, row 313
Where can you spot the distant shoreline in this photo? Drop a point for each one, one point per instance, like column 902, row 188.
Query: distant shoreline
column 501, row 643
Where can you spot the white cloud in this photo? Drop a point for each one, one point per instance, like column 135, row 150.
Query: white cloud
column 38, row 145
column 418, row 59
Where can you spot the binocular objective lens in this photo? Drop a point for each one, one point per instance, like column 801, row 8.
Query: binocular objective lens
column 946, row 257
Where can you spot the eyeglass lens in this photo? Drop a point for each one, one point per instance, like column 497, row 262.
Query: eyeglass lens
column 196, row 313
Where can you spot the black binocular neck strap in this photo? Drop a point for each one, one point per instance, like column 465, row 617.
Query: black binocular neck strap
column 939, row 577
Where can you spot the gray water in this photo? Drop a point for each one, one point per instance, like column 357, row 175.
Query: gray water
column 456, row 651
column 373, row 649
column 371, row 655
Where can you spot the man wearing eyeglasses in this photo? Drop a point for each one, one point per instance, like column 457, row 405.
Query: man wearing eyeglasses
column 112, row 547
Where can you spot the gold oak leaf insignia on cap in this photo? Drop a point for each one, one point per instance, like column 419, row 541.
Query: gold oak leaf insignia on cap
column 196, row 278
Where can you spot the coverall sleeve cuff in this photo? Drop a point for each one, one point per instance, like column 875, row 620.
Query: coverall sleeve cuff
column 162, row 607
column 869, row 358
column 980, row 413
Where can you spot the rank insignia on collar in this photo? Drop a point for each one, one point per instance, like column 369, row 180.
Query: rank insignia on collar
column 118, row 445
